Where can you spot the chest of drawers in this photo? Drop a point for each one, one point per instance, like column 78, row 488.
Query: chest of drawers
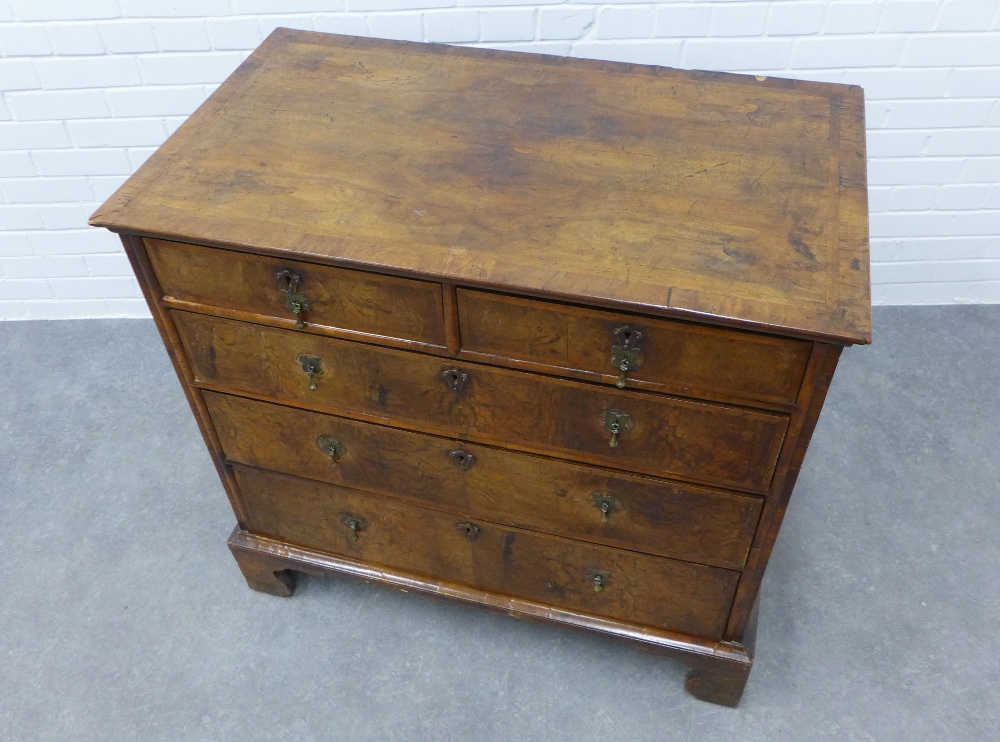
column 545, row 335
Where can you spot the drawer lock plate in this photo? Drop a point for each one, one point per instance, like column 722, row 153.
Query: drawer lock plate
column 626, row 355
column 295, row 300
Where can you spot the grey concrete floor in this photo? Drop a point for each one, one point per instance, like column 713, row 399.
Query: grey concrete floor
column 122, row 615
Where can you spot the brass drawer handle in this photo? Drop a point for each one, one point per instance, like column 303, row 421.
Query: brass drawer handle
column 313, row 366
column 606, row 504
column 471, row 530
column 331, row 447
column 464, row 459
column 598, row 579
column 355, row 523
column 295, row 300
column 616, row 423
column 626, row 355
column 454, row 379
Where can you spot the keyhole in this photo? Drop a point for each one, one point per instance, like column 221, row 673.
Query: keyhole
column 464, row 459
column 454, row 379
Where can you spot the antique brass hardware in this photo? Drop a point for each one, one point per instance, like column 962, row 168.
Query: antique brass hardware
column 454, row 379
column 295, row 300
column 598, row 579
column 616, row 423
column 464, row 459
column 331, row 447
column 626, row 355
column 471, row 530
column 606, row 504
column 312, row 365
column 356, row 523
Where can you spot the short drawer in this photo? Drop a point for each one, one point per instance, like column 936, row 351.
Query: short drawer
column 656, row 517
column 658, row 435
column 591, row 579
column 663, row 355
column 335, row 298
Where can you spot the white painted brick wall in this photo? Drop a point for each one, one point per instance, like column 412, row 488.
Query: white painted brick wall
column 89, row 88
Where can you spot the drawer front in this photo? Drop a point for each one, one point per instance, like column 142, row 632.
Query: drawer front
column 667, row 356
column 356, row 301
column 716, row 444
column 637, row 588
column 668, row 519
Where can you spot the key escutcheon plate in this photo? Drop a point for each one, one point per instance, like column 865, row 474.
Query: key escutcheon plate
column 331, row 447
column 312, row 366
column 606, row 504
column 626, row 355
column 615, row 422
column 296, row 301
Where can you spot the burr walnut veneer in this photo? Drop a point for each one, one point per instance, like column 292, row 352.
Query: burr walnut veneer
column 545, row 335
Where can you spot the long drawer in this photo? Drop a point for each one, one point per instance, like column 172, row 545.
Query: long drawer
column 653, row 434
column 661, row 355
column 354, row 301
column 588, row 578
column 668, row 519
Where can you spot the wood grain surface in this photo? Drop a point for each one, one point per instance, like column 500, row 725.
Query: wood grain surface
column 735, row 198
column 711, row 443
column 642, row 589
column 678, row 357
column 664, row 518
column 468, row 232
column 366, row 303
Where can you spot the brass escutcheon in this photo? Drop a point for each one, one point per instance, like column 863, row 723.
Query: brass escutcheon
column 464, row 459
column 626, row 355
column 607, row 504
column 616, row 423
column 355, row 523
column 295, row 300
column 598, row 579
column 331, row 447
column 454, row 379
column 313, row 366
column 471, row 530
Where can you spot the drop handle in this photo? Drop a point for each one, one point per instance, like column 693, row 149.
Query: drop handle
column 355, row 524
column 598, row 579
column 313, row 367
column 606, row 504
column 289, row 284
column 331, row 447
column 616, row 423
column 298, row 307
column 626, row 355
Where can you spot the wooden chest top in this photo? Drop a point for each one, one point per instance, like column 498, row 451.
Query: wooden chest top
column 723, row 198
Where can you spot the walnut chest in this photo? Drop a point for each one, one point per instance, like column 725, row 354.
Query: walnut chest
column 546, row 335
